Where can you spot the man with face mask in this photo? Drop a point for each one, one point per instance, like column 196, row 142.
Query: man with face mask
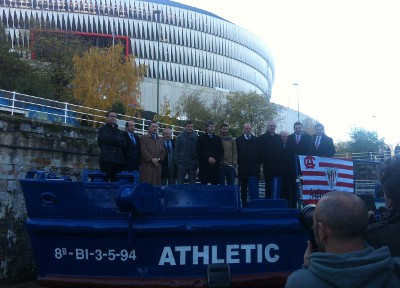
column 343, row 258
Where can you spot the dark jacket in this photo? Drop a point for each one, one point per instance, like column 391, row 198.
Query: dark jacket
column 111, row 141
column 326, row 147
column 206, row 148
column 293, row 148
column 386, row 233
column 248, row 157
column 168, row 165
column 185, row 149
column 271, row 149
column 301, row 148
column 132, row 152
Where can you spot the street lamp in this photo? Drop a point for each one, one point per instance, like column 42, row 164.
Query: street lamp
column 298, row 102
column 158, row 13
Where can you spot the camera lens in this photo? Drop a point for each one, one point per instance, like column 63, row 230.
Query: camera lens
column 306, row 216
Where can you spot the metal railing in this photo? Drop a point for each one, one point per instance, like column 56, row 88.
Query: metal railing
column 62, row 112
column 366, row 156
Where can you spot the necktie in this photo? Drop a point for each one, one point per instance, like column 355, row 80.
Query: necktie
column 168, row 147
column 317, row 142
column 133, row 139
column 210, row 136
column 297, row 139
column 154, row 136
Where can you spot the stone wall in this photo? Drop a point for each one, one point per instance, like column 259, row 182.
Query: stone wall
column 26, row 145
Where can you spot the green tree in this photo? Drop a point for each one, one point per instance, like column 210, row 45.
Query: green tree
column 250, row 108
column 20, row 75
column 362, row 140
column 104, row 77
column 57, row 49
column 166, row 115
column 194, row 107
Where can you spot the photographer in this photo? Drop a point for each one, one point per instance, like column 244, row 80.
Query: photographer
column 387, row 231
column 343, row 259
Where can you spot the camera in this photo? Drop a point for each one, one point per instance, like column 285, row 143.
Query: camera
column 307, row 221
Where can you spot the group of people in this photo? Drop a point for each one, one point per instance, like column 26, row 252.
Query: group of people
column 352, row 251
column 216, row 159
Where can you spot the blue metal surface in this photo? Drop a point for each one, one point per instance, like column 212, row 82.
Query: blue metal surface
column 137, row 231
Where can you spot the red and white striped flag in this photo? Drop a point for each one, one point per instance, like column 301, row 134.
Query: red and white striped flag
column 321, row 175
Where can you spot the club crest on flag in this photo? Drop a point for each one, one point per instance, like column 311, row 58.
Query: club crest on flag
column 331, row 176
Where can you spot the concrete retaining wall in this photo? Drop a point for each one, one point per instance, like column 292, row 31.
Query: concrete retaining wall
column 32, row 145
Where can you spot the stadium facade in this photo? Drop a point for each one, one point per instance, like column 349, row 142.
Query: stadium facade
column 198, row 51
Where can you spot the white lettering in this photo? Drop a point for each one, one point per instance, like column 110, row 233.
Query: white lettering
column 79, row 254
column 247, row 248
column 231, row 251
column 268, row 256
column 182, row 251
column 167, row 257
column 214, row 255
column 197, row 254
column 259, row 253
column 234, row 254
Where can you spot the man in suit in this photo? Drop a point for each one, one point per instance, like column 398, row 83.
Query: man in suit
column 271, row 149
column 152, row 154
column 132, row 149
column 168, row 172
column 322, row 145
column 209, row 152
column 298, row 143
column 248, row 160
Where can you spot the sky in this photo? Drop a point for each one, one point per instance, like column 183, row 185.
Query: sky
column 344, row 55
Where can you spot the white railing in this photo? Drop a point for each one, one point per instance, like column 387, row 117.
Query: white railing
column 366, row 156
column 63, row 112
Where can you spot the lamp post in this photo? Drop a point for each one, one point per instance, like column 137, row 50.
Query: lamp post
column 158, row 13
column 298, row 101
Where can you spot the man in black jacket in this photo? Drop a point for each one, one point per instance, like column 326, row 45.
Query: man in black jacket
column 271, row 152
column 132, row 149
column 111, row 141
column 248, row 160
column 322, row 145
column 209, row 152
column 298, row 143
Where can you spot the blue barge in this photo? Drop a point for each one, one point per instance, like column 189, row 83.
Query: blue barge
column 129, row 234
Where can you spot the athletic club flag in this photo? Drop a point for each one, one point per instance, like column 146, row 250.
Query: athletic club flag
column 321, row 175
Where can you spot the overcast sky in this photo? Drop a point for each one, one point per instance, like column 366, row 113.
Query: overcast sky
column 344, row 54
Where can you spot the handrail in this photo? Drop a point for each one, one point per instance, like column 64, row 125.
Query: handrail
column 67, row 113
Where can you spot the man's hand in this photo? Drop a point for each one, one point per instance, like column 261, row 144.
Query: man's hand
column 309, row 250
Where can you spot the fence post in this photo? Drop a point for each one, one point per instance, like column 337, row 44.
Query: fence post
column 12, row 105
column 65, row 112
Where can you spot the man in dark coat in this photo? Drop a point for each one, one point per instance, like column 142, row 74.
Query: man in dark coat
column 168, row 172
column 322, row 145
column 298, row 143
column 271, row 148
column 111, row 142
column 248, row 160
column 209, row 152
column 132, row 149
